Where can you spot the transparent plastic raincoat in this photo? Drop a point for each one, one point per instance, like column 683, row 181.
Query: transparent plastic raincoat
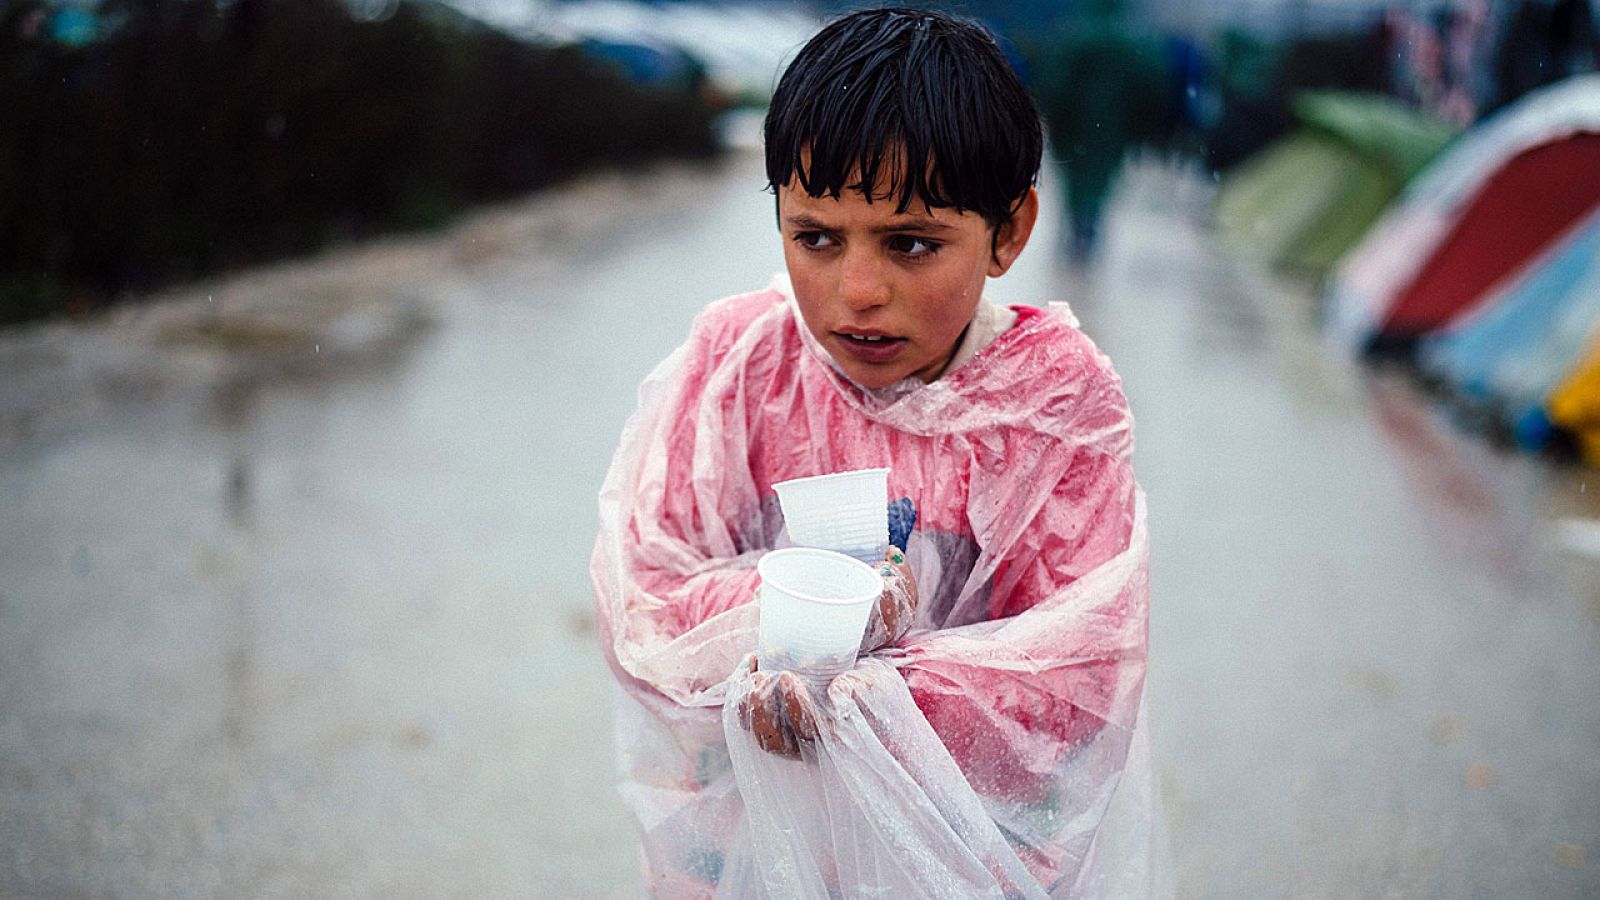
column 999, row 749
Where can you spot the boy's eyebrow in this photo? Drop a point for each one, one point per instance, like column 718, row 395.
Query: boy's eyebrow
column 914, row 223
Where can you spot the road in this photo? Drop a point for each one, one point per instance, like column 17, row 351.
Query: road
column 293, row 591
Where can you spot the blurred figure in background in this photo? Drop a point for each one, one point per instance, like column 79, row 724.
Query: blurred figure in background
column 1440, row 60
column 1544, row 42
column 1101, row 87
column 1468, row 41
column 1192, row 104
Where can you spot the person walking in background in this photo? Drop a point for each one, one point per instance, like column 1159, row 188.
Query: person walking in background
column 1101, row 88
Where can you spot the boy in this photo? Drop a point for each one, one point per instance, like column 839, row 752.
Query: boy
column 984, row 734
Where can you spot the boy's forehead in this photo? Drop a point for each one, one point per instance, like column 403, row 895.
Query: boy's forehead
column 887, row 185
column 882, row 201
column 852, row 206
column 889, row 166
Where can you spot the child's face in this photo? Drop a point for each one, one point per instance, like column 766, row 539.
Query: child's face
column 888, row 294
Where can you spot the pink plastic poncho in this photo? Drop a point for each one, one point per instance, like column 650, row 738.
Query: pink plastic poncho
column 998, row 751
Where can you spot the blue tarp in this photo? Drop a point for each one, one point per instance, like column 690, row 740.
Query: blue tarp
column 1511, row 354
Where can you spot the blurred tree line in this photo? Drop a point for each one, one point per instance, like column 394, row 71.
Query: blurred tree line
column 166, row 140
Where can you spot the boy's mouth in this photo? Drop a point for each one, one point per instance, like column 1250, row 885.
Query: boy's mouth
column 870, row 346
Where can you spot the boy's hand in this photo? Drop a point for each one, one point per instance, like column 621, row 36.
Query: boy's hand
column 896, row 607
column 779, row 711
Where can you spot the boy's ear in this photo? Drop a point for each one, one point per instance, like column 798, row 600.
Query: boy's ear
column 1012, row 235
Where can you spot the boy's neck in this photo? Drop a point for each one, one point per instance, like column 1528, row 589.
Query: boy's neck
column 989, row 321
column 956, row 347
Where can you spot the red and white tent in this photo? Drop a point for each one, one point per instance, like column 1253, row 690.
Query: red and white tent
column 1487, row 208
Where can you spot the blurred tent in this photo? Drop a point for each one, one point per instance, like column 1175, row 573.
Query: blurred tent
column 1505, row 359
column 1485, row 209
column 1309, row 197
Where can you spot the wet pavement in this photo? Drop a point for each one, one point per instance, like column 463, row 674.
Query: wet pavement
column 1374, row 663
column 293, row 591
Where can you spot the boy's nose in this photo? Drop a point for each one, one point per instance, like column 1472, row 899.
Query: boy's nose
column 861, row 282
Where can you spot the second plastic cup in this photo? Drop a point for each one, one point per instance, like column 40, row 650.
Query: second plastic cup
column 845, row 511
column 814, row 606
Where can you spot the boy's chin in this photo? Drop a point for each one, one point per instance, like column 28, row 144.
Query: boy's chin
column 873, row 377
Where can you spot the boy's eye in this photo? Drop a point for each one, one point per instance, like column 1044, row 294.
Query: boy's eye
column 912, row 246
column 813, row 240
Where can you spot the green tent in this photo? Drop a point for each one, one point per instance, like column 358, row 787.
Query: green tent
column 1306, row 199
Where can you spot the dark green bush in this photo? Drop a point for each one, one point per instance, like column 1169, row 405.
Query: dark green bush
column 195, row 135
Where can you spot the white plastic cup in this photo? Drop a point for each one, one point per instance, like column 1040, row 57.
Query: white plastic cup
column 814, row 606
column 847, row 512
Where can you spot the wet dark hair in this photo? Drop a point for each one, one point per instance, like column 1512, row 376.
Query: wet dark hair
column 922, row 100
